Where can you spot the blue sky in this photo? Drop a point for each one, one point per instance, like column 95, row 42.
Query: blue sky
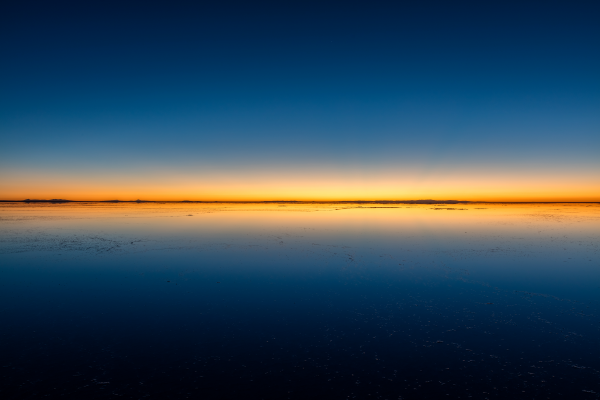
column 99, row 88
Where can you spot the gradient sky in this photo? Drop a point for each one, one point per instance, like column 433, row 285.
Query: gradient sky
column 491, row 100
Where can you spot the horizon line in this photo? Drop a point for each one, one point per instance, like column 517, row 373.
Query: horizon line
column 420, row 201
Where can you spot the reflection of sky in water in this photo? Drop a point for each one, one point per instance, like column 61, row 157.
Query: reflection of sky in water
column 278, row 301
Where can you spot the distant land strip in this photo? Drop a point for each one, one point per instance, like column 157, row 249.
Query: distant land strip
column 60, row 201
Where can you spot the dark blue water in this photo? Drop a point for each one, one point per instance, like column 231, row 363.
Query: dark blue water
column 222, row 303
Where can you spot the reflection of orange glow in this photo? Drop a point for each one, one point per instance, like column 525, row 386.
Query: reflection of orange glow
column 333, row 219
column 313, row 185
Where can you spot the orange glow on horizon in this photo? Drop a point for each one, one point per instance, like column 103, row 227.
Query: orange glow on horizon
column 301, row 186
column 511, row 194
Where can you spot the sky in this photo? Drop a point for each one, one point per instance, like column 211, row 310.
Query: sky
column 300, row 100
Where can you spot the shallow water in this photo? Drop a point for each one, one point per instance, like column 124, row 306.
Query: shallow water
column 295, row 301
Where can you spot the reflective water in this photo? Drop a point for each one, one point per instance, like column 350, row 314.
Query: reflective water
column 296, row 301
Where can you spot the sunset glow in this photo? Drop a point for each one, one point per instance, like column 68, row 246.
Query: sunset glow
column 297, row 185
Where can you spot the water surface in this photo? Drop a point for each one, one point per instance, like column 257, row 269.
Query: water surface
column 294, row 301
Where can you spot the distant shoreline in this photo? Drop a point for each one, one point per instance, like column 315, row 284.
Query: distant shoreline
column 64, row 201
